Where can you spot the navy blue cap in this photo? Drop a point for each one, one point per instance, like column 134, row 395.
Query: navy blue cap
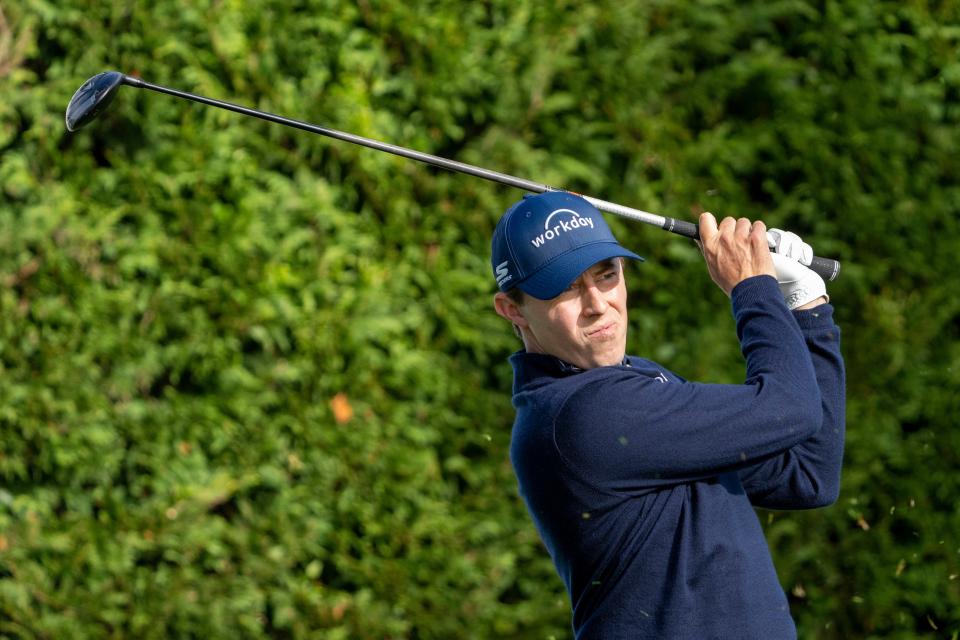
column 545, row 241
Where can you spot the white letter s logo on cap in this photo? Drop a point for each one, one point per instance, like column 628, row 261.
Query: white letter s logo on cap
column 503, row 273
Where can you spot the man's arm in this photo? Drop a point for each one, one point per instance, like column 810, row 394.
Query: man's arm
column 808, row 474
column 626, row 430
column 621, row 428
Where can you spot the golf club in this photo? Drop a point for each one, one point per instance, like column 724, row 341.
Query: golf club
column 95, row 95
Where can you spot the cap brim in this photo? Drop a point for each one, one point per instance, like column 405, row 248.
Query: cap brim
column 551, row 280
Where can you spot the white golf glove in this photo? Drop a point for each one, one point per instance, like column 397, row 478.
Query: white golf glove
column 798, row 284
column 790, row 245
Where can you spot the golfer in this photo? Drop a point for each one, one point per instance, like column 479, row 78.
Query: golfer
column 642, row 484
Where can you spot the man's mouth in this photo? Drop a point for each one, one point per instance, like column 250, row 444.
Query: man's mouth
column 603, row 330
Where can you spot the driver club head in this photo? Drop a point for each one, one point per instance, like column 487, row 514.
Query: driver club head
column 92, row 97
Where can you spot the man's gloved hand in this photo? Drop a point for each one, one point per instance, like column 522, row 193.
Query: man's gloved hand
column 790, row 245
column 798, row 284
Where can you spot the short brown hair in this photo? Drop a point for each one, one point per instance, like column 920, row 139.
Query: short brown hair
column 515, row 294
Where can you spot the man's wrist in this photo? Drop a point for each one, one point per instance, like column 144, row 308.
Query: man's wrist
column 813, row 303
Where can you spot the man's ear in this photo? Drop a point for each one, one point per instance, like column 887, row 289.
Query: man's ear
column 508, row 309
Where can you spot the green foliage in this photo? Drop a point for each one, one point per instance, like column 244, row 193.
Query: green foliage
column 252, row 382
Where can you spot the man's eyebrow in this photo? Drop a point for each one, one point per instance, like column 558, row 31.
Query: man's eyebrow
column 604, row 265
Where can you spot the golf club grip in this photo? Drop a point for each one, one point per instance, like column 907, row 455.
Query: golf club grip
column 826, row 268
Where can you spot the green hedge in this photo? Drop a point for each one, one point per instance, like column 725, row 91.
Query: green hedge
column 252, row 383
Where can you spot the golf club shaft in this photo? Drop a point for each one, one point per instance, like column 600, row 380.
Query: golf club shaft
column 827, row 268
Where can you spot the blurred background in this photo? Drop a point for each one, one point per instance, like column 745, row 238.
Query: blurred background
column 251, row 381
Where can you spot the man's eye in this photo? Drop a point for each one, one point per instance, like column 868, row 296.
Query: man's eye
column 610, row 275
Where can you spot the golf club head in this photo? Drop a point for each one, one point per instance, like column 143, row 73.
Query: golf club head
column 91, row 98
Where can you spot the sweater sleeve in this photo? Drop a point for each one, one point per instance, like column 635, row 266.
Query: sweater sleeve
column 628, row 432
column 808, row 474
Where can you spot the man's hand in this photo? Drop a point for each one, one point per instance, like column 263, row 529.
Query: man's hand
column 791, row 245
column 800, row 287
column 735, row 250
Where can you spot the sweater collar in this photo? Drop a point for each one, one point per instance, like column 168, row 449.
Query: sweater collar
column 528, row 367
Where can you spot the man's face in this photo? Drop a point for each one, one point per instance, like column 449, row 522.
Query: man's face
column 586, row 325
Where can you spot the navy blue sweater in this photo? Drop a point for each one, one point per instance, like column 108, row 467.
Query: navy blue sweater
column 642, row 485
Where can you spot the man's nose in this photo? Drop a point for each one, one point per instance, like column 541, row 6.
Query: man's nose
column 594, row 302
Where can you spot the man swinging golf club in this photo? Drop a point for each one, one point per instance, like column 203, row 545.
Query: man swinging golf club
column 642, row 484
